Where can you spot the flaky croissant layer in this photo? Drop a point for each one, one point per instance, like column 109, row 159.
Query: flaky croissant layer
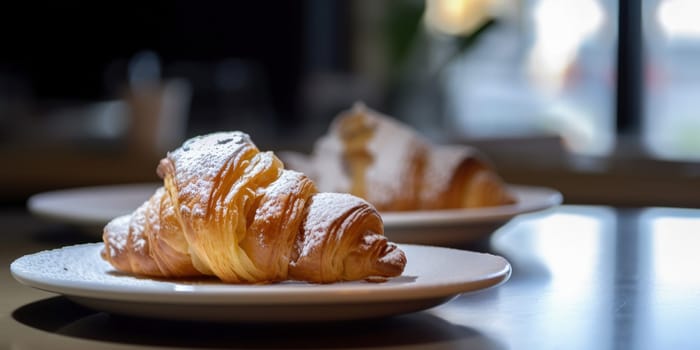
column 228, row 210
column 395, row 168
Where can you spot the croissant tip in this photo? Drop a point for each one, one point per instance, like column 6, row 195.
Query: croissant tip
column 392, row 261
column 359, row 106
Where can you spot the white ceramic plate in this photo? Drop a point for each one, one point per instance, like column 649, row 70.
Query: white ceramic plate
column 460, row 226
column 90, row 207
column 432, row 276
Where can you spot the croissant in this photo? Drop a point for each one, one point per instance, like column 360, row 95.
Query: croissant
column 392, row 166
column 228, row 210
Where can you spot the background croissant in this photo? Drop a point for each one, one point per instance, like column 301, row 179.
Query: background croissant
column 392, row 166
column 226, row 209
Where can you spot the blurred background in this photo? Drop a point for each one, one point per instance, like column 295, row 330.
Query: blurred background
column 596, row 98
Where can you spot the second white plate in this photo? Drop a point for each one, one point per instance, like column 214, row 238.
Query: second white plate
column 432, row 276
column 90, row 207
column 454, row 227
column 93, row 207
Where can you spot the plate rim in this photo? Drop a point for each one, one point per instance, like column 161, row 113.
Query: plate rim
column 238, row 295
column 36, row 202
column 530, row 199
column 546, row 197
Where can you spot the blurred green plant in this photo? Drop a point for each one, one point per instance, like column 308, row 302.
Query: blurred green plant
column 404, row 30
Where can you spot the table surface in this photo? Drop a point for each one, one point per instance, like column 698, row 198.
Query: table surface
column 584, row 277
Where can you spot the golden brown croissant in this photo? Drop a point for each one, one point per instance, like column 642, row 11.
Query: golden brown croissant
column 228, row 210
column 393, row 167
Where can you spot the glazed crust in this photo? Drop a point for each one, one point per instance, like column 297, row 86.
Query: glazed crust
column 393, row 167
column 228, row 210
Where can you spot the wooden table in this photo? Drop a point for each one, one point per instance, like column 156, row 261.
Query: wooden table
column 584, row 277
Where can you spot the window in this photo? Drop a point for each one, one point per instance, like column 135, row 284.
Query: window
column 550, row 67
column 671, row 122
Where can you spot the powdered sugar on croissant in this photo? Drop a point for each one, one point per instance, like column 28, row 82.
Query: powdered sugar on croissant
column 391, row 165
column 229, row 210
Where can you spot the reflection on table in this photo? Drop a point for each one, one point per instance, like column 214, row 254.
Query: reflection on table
column 584, row 277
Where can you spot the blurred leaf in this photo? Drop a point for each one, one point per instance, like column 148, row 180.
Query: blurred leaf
column 402, row 27
column 465, row 42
